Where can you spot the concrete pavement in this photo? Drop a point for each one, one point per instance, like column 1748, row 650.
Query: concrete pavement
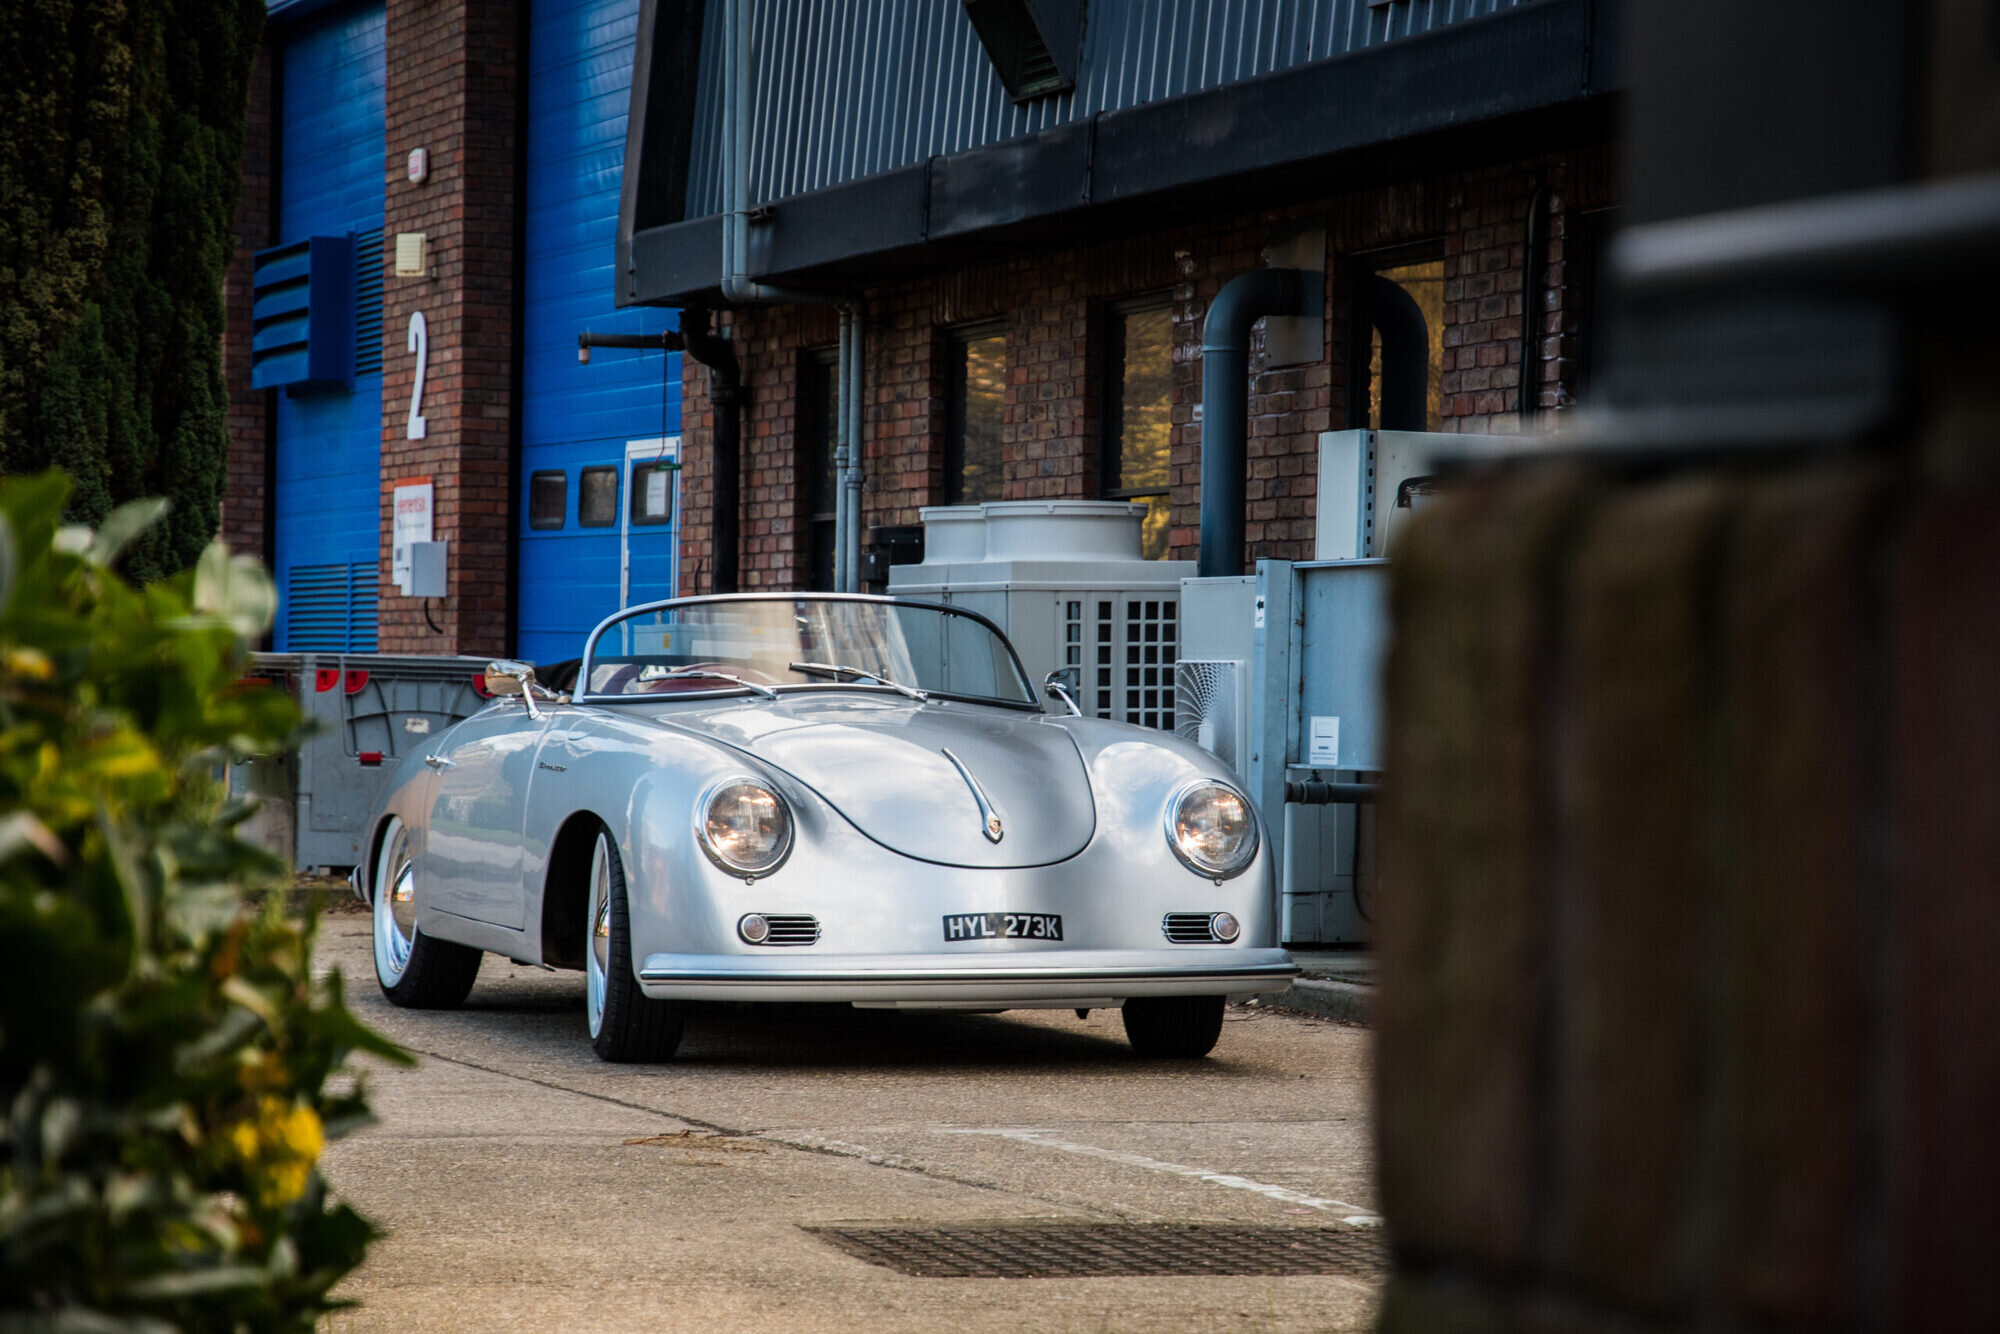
column 527, row 1185
column 1332, row 983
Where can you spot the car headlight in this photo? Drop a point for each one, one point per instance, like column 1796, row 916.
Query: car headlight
column 745, row 828
column 1212, row 829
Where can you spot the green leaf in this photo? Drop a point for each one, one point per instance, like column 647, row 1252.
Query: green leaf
column 199, row 1282
column 236, row 590
column 122, row 526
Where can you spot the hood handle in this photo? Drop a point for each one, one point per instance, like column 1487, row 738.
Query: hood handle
column 988, row 817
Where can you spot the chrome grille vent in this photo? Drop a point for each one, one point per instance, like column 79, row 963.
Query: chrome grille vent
column 1189, row 928
column 792, row 929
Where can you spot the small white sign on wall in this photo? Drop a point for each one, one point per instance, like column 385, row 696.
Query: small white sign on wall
column 1323, row 742
column 415, row 500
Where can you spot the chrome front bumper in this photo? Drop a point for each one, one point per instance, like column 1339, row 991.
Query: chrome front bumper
column 998, row 978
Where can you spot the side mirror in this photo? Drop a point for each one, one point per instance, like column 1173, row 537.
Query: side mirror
column 1061, row 684
column 504, row 676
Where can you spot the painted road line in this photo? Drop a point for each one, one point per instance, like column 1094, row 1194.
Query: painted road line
column 1354, row 1214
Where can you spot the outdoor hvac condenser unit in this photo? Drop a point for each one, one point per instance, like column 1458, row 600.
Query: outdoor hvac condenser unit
column 1065, row 581
column 1209, row 706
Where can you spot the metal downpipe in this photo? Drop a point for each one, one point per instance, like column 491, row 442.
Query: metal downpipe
column 847, row 536
column 725, row 392
column 842, row 440
column 1225, row 400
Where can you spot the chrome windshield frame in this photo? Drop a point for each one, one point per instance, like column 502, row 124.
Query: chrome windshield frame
column 581, row 693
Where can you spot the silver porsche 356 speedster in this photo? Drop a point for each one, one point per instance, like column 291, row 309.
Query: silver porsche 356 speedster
column 819, row 797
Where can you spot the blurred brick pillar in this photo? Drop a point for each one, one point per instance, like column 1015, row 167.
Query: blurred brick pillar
column 1692, row 905
column 246, row 495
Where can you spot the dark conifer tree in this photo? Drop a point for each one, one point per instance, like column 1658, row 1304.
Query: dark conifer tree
column 119, row 176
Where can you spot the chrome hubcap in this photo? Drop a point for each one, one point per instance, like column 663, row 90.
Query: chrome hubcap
column 597, row 926
column 395, row 905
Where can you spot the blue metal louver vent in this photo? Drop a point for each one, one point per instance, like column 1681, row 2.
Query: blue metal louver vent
column 331, row 608
column 368, row 302
column 303, row 300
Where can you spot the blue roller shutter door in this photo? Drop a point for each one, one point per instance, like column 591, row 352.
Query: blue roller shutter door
column 576, row 417
column 329, row 436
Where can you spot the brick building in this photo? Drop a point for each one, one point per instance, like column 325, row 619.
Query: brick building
column 1028, row 250
column 431, row 190
column 1057, row 310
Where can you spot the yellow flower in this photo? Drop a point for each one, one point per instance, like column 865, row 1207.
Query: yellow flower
column 278, row 1146
column 301, row 1134
column 29, row 662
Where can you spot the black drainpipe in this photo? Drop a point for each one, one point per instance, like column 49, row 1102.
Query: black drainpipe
column 725, row 392
column 1406, row 356
column 1225, row 400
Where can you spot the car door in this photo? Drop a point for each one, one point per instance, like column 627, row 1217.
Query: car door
column 472, row 855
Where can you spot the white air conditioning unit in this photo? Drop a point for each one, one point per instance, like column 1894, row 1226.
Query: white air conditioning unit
column 1209, row 706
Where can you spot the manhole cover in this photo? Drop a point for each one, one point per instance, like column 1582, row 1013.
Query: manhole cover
column 1086, row 1250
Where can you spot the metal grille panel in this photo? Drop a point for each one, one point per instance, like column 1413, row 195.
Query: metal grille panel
column 1189, row 928
column 1102, row 666
column 1112, row 1249
column 1207, row 706
column 368, row 302
column 1152, row 635
column 331, row 607
column 792, row 929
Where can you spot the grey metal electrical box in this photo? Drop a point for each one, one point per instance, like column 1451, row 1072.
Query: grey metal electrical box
column 1371, row 482
column 427, row 571
column 1316, row 711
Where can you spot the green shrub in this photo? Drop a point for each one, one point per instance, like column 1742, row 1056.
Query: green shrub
column 169, row 1066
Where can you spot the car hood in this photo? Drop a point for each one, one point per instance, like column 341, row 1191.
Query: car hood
column 881, row 762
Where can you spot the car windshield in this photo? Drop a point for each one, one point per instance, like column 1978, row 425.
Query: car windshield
column 768, row 644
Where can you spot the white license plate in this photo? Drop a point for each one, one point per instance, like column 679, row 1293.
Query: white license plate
column 1002, row 926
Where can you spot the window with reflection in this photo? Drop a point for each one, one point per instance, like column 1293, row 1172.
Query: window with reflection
column 976, row 396
column 1138, row 414
column 548, row 499
column 597, row 498
column 652, row 491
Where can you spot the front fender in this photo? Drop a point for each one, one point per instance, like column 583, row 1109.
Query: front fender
column 642, row 783
column 406, row 795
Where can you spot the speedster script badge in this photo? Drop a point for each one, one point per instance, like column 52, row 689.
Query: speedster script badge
column 1002, row 926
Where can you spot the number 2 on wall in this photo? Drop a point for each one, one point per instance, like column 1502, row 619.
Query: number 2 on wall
column 420, row 343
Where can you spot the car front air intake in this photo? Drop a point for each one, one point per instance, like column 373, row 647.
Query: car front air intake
column 792, row 929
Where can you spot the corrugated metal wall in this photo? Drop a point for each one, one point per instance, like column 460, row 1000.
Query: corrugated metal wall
column 573, row 416
column 848, row 88
column 329, row 440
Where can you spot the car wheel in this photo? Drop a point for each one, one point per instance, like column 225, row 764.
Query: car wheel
column 625, row 1024
column 1179, row 1026
column 417, row 972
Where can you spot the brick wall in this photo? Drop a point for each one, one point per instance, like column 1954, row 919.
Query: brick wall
column 1685, row 1016
column 246, row 492
column 452, row 90
column 1053, row 305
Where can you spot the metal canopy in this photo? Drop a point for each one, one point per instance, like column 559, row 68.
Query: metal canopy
column 1227, row 145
